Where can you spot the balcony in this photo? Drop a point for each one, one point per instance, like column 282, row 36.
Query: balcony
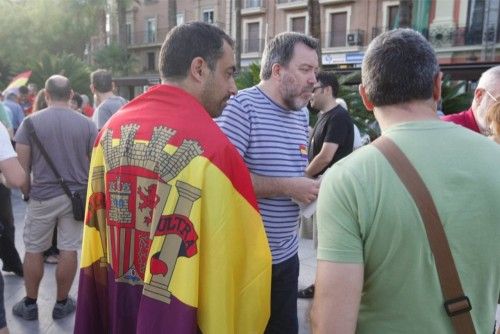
column 253, row 7
column 253, row 46
column 442, row 36
column 450, row 37
column 291, row 4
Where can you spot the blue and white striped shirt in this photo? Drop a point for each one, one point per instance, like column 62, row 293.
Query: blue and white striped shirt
column 273, row 143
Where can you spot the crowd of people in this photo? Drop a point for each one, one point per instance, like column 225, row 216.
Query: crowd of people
column 195, row 193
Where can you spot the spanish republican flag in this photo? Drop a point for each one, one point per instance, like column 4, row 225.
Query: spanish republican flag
column 19, row 80
column 173, row 240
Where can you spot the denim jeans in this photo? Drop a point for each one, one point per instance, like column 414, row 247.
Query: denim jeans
column 284, row 285
column 3, row 322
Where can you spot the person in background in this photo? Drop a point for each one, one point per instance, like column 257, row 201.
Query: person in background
column 51, row 255
column 376, row 272
column 39, row 103
column 101, row 85
column 24, row 100
column 76, row 103
column 13, row 175
column 68, row 138
column 484, row 95
column 173, row 240
column 86, row 106
column 269, row 125
column 8, row 252
column 331, row 140
column 14, row 110
column 493, row 120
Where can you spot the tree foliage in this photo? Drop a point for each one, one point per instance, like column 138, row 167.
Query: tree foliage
column 115, row 58
column 454, row 96
column 248, row 77
column 65, row 64
column 31, row 28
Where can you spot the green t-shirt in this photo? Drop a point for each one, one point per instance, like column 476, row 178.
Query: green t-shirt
column 365, row 215
column 4, row 118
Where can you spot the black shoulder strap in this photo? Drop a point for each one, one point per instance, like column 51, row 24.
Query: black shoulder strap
column 32, row 132
column 456, row 303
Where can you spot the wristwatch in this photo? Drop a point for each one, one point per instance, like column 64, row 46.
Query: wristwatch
column 25, row 197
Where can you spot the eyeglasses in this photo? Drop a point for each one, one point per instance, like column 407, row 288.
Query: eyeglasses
column 489, row 94
column 316, row 88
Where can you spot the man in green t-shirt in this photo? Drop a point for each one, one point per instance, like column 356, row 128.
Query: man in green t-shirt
column 376, row 272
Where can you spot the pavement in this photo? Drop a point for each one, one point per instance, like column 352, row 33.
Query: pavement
column 14, row 288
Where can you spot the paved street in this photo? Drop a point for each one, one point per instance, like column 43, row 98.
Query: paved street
column 14, row 288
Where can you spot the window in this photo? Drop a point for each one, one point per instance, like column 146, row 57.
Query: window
column 252, row 3
column 179, row 18
column 392, row 17
column 253, row 37
column 475, row 22
column 108, row 29
column 338, row 29
column 128, row 28
column 298, row 24
column 151, row 30
column 151, row 61
column 208, row 16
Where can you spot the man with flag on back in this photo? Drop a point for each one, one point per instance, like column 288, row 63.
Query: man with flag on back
column 173, row 241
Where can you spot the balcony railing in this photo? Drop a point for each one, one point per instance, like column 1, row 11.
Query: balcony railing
column 253, row 45
column 446, row 36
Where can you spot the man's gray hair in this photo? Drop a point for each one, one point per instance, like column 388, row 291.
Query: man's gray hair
column 399, row 66
column 279, row 50
column 490, row 78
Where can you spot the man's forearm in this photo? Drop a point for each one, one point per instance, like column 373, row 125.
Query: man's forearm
column 301, row 189
column 265, row 186
column 318, row 164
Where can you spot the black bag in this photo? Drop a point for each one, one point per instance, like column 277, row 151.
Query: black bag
column 78, row 197
column 78, row 201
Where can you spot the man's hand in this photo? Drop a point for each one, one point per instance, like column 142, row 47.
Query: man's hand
column 303, row 189
column 300, row 189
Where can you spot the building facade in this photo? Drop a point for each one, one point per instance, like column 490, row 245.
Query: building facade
column 464, row 33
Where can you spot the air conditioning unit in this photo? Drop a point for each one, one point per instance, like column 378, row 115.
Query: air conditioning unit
column 355, row 38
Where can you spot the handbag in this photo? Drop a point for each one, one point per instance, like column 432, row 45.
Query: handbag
column 78, row 197
column 456, row 303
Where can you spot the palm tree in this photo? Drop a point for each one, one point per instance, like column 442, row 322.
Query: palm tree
column 237, row 37
column 315, row 23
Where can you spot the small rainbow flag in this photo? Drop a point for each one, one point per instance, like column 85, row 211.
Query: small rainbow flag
column 19, row 80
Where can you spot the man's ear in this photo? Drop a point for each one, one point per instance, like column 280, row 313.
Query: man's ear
column 436, row 91
column 198, row 68
column 47, row 96
column 366, row 101
column 276, row 71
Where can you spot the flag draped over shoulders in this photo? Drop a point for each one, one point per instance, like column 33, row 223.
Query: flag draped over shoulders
column 173, row 240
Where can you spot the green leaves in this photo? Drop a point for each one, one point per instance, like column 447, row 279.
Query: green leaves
column 115, row 59
column 248, row 77
column 65, row 64
column 454, row 96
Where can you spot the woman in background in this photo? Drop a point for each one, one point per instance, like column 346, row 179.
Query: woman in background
column 493, row 119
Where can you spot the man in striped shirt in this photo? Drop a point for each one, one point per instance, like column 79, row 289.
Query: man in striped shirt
column 268, row 124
